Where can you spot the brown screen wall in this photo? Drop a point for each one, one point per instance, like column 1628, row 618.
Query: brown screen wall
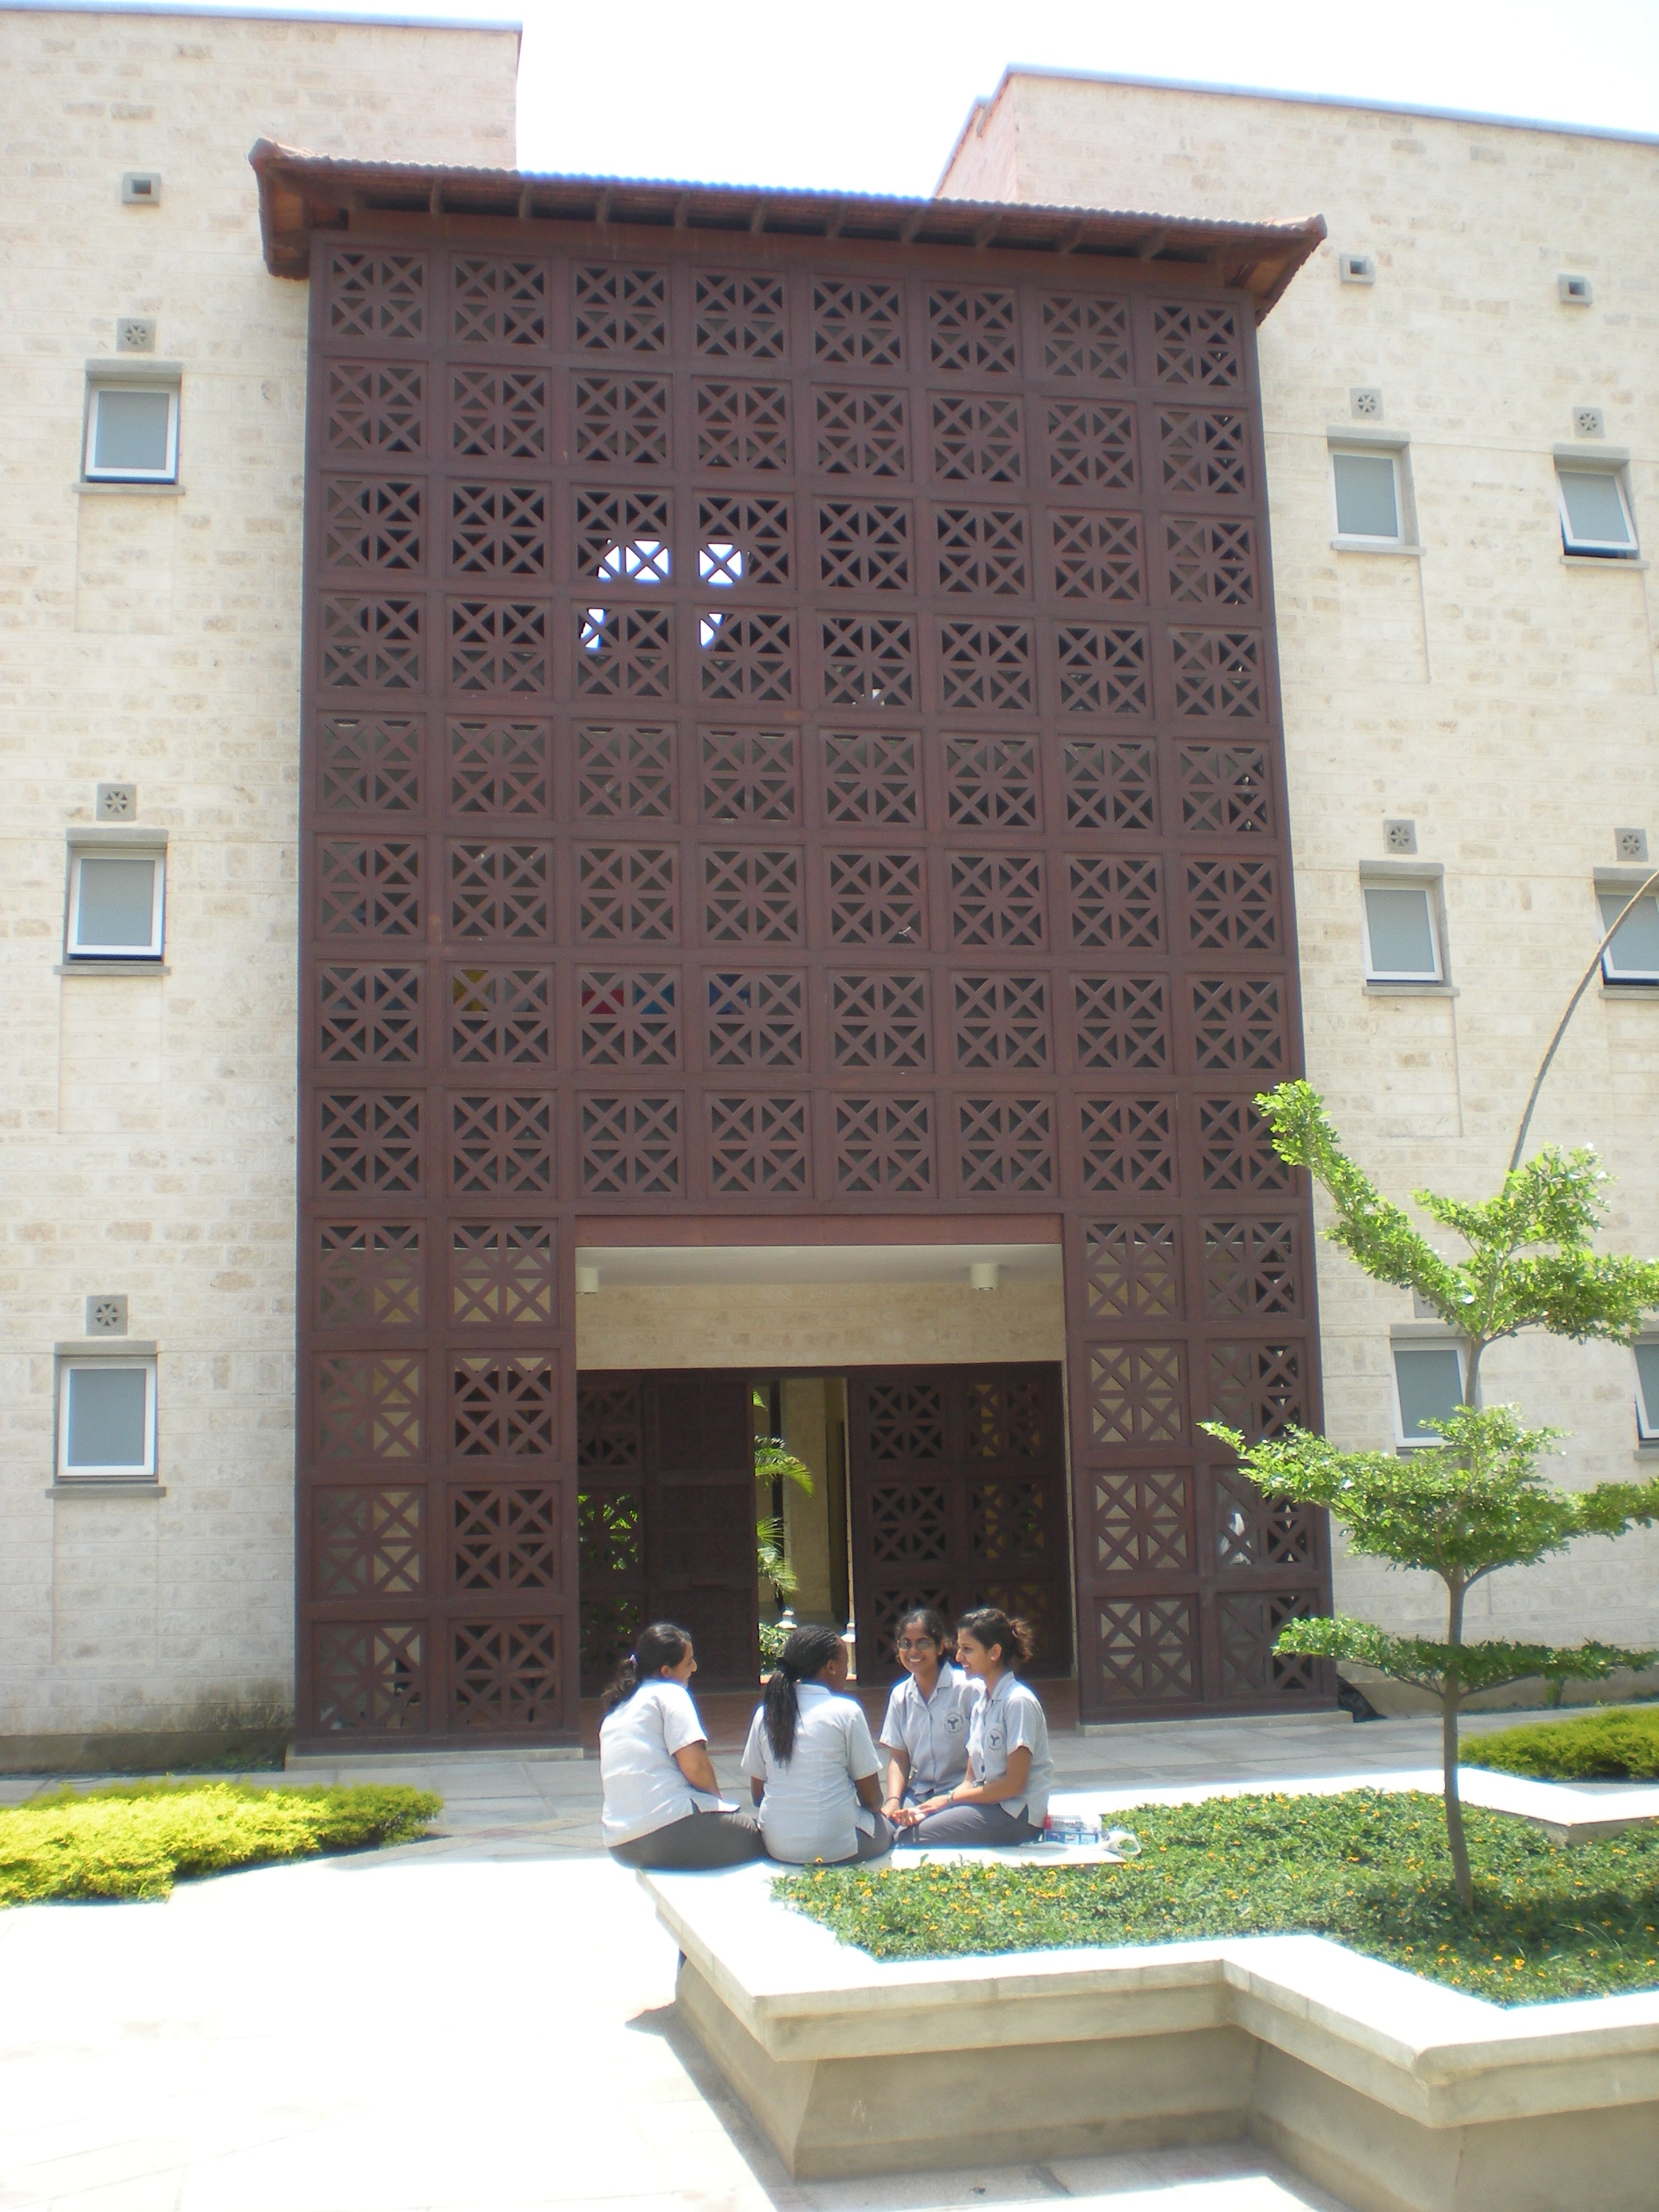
column 789, row 727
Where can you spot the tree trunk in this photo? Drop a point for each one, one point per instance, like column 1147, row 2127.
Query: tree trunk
column 1473, row 1347
column 1451, row 1697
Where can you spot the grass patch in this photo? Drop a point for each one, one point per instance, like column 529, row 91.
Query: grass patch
column 1615, row 1743
column 1368, row 1870
column 136, row 1840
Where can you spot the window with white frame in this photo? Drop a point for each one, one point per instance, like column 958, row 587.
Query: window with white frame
column 1428, row 1386
column 117, row 903
column 1595, row 512
column 1369, row 492
column 1402, row 933
column 107, row 1420
column 132, row 432
column 1632, row 953
column 1647, row 1391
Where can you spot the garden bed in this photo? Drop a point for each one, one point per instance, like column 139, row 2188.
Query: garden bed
column 134, row 1840
column 1368, row 1870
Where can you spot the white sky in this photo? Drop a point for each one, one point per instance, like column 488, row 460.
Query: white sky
column 869, row 95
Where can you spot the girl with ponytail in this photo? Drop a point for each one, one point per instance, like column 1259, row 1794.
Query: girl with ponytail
column 663, row 1806
column 1004, row 1797
column 812, row 1769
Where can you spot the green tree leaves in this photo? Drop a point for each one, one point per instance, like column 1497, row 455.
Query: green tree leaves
column 1529, row 1263
column 1474, row 1502
column 1461, row 1511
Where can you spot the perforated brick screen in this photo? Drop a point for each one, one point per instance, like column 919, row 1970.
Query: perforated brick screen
column 790, row 728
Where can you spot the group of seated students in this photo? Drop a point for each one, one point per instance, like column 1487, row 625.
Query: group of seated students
column 962, row 1757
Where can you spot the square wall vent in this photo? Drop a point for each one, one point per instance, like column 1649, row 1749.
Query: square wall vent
column 1357, row 268
column 134, row 334
column 1630, row 844
column 107, row 1314
column 117, row 802
column 1575, row 291
column 1588, row 422
column 1365, row 402
column 1399, row 836
column 141, row 188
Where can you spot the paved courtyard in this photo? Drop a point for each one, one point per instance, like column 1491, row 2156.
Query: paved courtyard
column 552, row 1804
column 485, row 2023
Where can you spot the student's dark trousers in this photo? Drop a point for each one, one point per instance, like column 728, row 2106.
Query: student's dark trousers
column 693, row 1845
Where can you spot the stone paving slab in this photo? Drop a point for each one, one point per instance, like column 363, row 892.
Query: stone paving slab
column 416, row 2032
column 487, row 1794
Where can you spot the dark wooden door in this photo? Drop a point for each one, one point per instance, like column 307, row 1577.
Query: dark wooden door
column 958, row 1498
column 666, row 1515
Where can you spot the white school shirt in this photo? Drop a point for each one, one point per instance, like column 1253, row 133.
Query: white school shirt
column 933, row 1732
column 810, row 1809
column 644, row 1788
column 1010, row 1719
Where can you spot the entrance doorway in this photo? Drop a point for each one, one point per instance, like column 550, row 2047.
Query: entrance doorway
column 665, row 1519
column 940, row 1485
column 957, row 1485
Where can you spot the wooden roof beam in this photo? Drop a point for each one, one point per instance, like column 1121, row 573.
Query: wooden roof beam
column 313, row 189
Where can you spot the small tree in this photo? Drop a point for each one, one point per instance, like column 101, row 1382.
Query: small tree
column 774, row 1465
column 1476, row 1502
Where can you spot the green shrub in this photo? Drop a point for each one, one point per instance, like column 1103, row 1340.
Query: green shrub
column 773, row 1638
column 135, row 1839
column 1366, row 1869
column 1616, row 1743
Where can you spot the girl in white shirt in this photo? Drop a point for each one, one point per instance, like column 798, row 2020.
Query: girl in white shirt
column 812, row 1769
column 1004, row 1798
column 924, row 1735
column 663, row 1806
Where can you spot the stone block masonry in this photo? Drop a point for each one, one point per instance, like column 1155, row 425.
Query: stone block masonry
column 152, row 637
column 1495, row 694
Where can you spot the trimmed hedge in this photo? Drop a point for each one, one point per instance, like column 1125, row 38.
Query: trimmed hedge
column 1615, row 1743
column 134, row 1840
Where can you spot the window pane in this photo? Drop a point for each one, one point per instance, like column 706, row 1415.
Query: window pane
column 118, row 902
column 107, row 1416
column 1430, row 1388
column 1647, row 1373
column 1635, row 949
column 1366, row 505
column 1596, row 513
column 132, row 431
column 1400, row 931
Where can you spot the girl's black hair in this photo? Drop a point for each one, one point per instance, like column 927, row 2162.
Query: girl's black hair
column 808, row 1652
column 935, row 1628
column 988, row 1625
column 660, row 1646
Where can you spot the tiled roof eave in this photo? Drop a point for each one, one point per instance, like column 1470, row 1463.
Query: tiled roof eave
column 301, row 192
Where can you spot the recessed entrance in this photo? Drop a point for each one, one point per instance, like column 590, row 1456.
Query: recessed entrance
column 941, row 1485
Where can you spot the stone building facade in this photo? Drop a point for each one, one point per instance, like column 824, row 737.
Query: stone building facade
column 151, row 637
column 1480, row 313
column 1496, row 698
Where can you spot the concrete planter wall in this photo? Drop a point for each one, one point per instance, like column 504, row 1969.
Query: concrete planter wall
column 1399, row 2095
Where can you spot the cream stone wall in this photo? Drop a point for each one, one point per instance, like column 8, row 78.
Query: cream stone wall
column 771, row 1327
column 1502, row 698
column 147, row 1121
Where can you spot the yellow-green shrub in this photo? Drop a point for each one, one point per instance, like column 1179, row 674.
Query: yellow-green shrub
column 1617, row 1743
column 136, row 1840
